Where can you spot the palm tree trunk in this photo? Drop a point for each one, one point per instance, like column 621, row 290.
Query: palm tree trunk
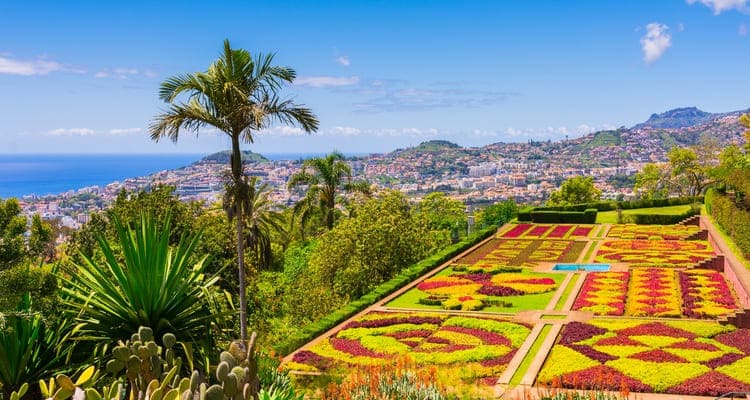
column 236, row 161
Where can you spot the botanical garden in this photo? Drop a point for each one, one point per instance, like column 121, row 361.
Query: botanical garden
column 358, row 292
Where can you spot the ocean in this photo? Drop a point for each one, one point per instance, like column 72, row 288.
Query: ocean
column 41, row 174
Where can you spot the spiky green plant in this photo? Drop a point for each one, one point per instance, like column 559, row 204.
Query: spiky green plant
column 29, row 349
column 145, row 283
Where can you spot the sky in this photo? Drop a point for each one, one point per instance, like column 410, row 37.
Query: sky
column 83, row 76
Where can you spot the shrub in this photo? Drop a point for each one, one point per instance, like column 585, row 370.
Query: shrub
column 588, row 216
column 734, row 221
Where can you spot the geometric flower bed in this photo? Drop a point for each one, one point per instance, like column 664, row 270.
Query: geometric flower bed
column 656, row 292
column 603, row 293
column 475, row 291
column 666, row 232
column 679, row 357
column 653, row 292
column 519, row 252
column 654, row 253
column 536, row 231
column 706, row 294
column 465, row 350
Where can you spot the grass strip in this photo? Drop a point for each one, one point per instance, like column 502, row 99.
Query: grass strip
column 551, row 316
column 529, row 358
column 610, row 217
column 566, row 293
column 589, row 254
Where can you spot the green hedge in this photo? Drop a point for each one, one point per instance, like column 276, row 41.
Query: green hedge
column 405, row 277
column 735, row 222
column 568, row 217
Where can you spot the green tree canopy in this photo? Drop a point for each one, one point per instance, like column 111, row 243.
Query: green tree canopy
column 440, row 212
column 652, row 182
column 575, row 190
column 359, row 253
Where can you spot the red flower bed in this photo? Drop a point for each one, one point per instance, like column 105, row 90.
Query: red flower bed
column 559, row 232
column 581, row 231
column 377, row 323
column 658, row 355
column 698, row 303
column 537, row 231
column 486, row 336
column 353, row 347
column 711, row 383
column 517, row 231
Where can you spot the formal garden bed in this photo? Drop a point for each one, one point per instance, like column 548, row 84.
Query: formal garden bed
column 504, row 290
column 544, row 231
column 657, row 292
column 522, row 252
column 647, row 232
column 679, row 357
column 464, row 351
column 654, row 253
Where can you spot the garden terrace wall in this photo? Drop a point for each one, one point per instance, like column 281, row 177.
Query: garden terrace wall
column 741, row 282
column 405, row 277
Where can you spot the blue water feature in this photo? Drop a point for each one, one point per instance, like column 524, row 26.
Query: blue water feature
column 581, row 267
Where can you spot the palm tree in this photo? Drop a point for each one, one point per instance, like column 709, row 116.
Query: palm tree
column 261, row 220
column 324, row 178
column 237, row 95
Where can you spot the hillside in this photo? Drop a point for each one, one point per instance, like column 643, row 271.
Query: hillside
column 678, row 118
column 222, row 157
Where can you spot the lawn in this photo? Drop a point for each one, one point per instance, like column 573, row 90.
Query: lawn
column 465, row 352
column 452, row 289
column 610, row 217
column 679, row 357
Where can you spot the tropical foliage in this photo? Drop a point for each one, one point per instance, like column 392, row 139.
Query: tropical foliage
column 152, row 284
column 324, row 178
column 239, row 96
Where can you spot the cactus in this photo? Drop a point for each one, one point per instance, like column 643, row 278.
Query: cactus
column 152, row 373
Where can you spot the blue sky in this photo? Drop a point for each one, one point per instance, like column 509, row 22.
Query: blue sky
column 82, row 76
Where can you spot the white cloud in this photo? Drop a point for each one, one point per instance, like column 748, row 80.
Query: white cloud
column 283, row 131
column 344, row 131
column 655, row 42
column 124, row 73
column 124, row 131
column 10, row 66
column 326, row 81
column 719, row 6
column 344, row 60
column 680, row 27
column 71, row 132
column 742, row 31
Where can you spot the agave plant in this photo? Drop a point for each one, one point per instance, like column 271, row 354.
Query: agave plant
column 29, row 349
column 145, row 283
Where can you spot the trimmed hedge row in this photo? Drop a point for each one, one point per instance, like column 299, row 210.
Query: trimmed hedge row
column 405, row 277
column 626, row 205
column 567, row 217
column 655, row 219
column 734, row 221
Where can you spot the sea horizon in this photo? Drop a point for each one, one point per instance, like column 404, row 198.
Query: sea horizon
column 50, row 174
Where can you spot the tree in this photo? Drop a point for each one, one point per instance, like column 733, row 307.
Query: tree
column 575, row 190
column 652, row 182
column 498, row 214
column 359, row 253
column 324, row 177
column 260, row 218
column 442, row 213
column 12, row 229
column 238, row 95
column 691, row 171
